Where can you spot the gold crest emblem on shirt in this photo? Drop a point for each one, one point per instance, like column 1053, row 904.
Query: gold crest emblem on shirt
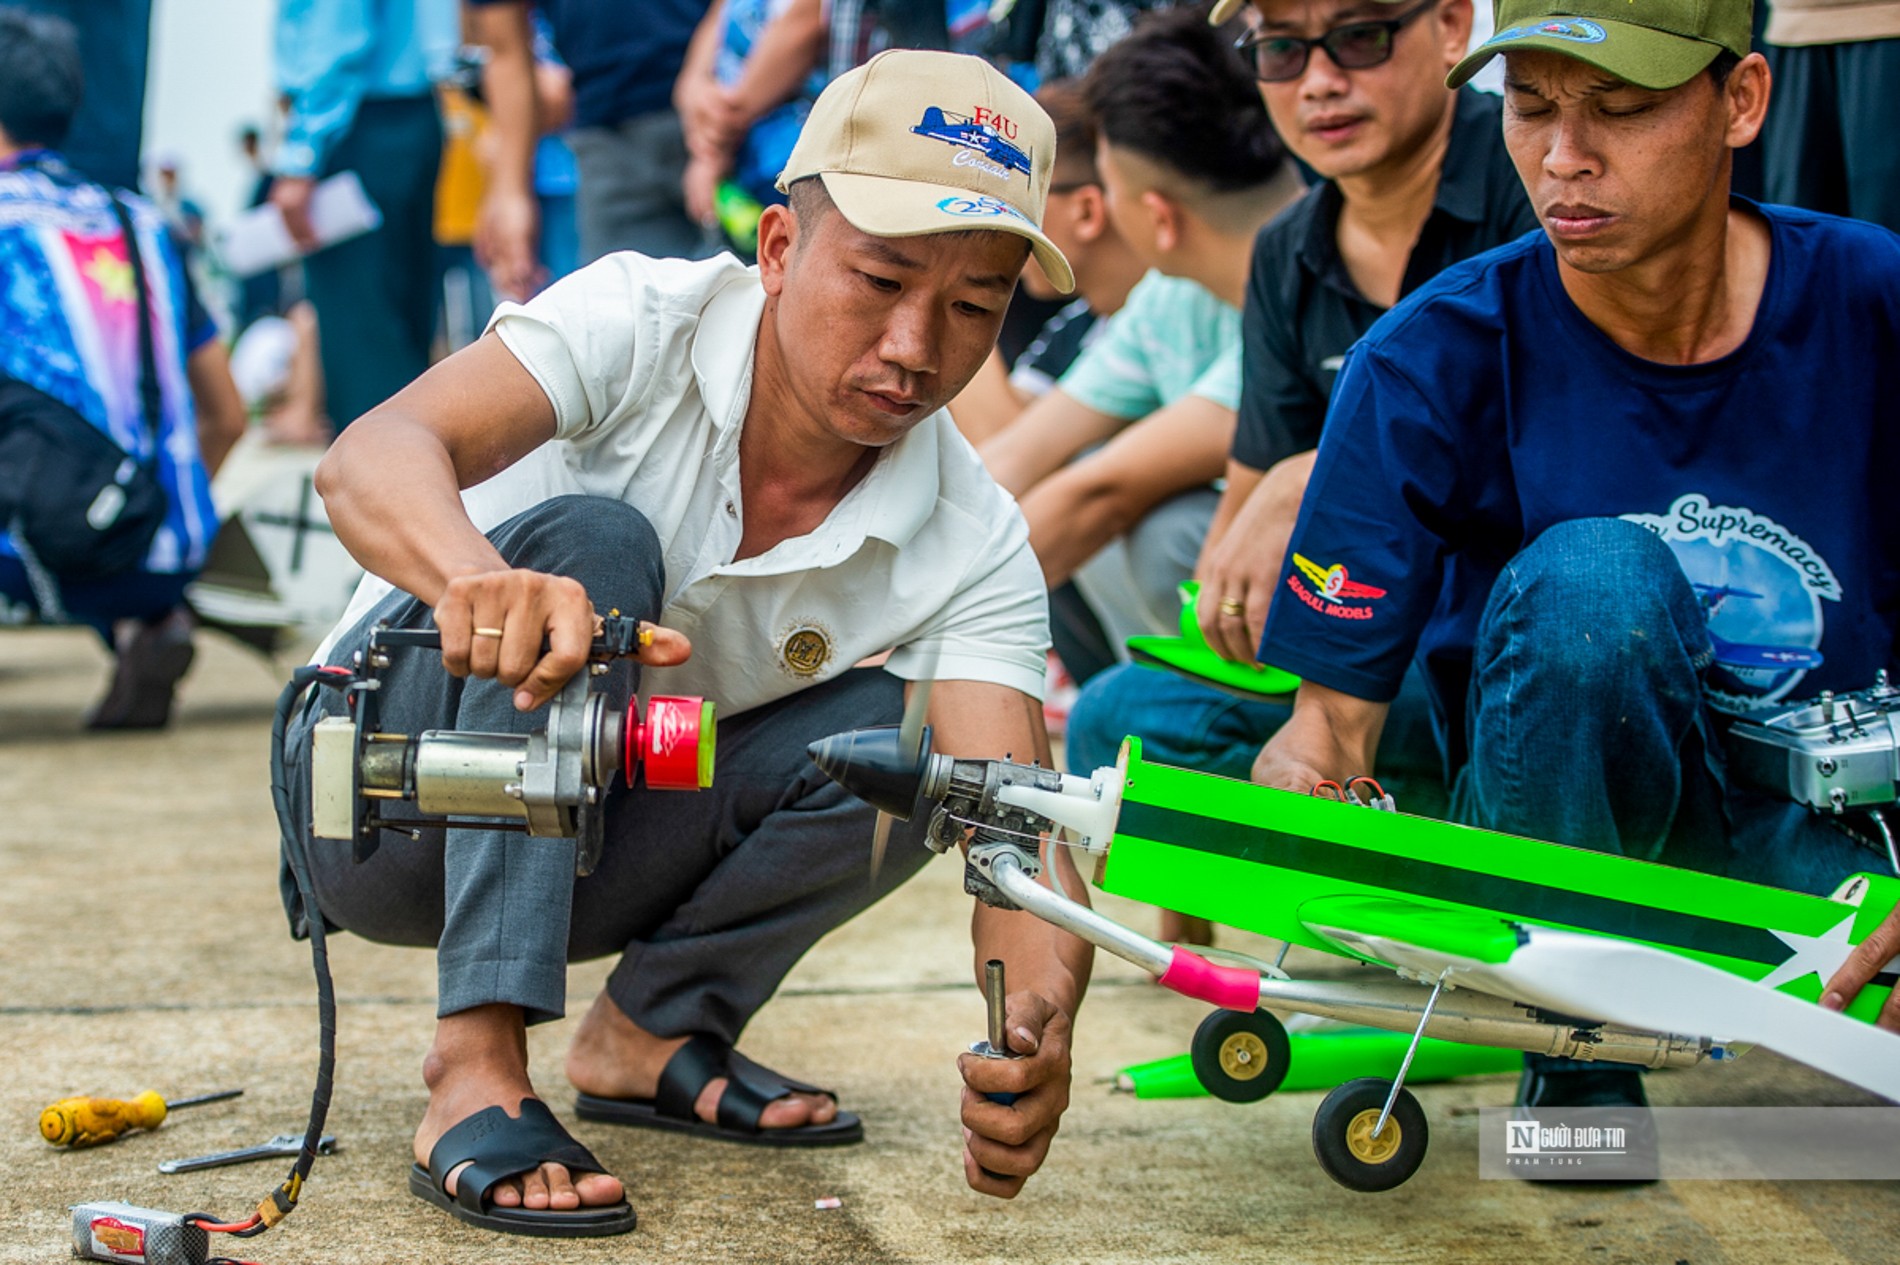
column 806, row 649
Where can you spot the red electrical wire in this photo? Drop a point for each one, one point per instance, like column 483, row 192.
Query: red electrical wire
column 1378, row 792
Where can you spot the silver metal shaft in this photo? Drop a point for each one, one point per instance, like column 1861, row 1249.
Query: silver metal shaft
column 1079, row 920
column 1471, row 1017
column 993, row 993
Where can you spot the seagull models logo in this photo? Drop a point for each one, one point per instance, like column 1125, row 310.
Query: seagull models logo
column 1332, row 588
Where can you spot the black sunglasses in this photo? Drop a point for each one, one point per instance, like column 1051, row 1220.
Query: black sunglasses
column 1354, row 46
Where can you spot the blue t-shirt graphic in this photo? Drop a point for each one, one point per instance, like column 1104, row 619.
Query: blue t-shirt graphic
column 1486, row 408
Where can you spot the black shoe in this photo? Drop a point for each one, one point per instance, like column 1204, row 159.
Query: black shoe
column 1619, row 1086
column 1616, row 1097
column 151, row 659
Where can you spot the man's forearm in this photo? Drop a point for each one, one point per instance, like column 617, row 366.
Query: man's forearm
column 1241, row 481
column 1042, row 438
column 508, row 87
column 781, row 61
column 221, row 416
column 1042, row 959
column 1072, row 516
column 393, row 499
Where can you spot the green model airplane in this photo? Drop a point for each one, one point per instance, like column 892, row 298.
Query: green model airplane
column 1495, row 940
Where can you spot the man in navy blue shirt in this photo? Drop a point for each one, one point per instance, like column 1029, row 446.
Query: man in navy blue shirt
column 1615, row 483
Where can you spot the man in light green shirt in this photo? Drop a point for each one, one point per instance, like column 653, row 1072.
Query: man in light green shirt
column 1192, row 169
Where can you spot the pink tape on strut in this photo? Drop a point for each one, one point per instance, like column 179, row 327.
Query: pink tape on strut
column 1229, row 987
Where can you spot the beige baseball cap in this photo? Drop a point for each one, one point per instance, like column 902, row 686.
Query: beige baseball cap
column 916, row 142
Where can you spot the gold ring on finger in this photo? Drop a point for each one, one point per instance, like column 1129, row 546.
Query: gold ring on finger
column 1232, row 606
column 488, row 632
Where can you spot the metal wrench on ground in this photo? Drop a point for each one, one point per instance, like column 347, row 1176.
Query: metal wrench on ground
column 282, row 1144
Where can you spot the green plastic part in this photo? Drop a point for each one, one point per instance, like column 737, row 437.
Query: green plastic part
column 1257, row 858
column 1480, row 937
column 1191, row 656
column 738, row 213
column 1333, row 1056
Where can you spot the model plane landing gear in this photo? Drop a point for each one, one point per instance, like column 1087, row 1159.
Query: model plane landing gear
column 1352, row 1153
column 1241, row 1057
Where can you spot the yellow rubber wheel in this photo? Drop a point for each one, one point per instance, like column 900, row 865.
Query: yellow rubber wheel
column 1243, row 1056
column 1343, row 1141
column 1240, row 1057
column 1364, row 1145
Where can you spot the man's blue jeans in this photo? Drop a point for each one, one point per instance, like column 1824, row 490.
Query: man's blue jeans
column 98, row 604
column 1194, row 726
column 1588, row 724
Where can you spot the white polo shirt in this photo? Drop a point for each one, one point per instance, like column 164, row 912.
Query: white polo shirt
column 648, row 364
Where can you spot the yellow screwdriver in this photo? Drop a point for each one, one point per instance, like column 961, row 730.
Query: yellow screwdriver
column 92, row 1121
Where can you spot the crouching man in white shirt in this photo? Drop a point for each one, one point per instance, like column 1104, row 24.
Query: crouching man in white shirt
column 758, row 461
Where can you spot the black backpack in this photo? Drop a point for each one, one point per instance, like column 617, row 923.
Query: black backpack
column 73, row 501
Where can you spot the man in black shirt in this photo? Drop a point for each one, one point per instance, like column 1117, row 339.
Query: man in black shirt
column 1415, row 178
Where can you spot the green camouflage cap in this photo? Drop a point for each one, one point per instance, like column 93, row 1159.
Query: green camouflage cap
column 1654, row 44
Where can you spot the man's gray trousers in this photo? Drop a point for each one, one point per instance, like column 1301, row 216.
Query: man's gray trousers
column 708, row 898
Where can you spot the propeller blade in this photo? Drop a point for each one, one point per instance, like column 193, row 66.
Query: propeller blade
column 910, row 733
column 910, row 742
column 880, row 840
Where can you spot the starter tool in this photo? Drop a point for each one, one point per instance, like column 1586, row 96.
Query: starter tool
column 551, row 783
column 997, row 1045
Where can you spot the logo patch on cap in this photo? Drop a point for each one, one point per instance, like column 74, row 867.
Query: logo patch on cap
column 1574, row 29
column 981, row 208
column 981, row 137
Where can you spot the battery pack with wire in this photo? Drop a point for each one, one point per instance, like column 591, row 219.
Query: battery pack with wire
column 110, row 1231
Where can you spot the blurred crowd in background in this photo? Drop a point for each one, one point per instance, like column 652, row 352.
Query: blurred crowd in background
column 505, row 143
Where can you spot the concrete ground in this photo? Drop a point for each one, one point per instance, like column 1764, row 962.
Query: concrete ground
column 142, row 946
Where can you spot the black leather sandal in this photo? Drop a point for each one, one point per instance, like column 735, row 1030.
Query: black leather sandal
column 750, row 1088
column 503, row 1146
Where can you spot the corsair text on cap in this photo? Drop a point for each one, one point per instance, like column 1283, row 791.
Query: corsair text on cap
column 915, row 142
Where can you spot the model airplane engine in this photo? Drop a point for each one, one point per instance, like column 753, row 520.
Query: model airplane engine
column 550, row 783
column 1006, row 806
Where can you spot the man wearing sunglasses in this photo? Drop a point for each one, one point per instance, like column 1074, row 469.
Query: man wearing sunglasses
column 1416, row 178
column 1615, row 484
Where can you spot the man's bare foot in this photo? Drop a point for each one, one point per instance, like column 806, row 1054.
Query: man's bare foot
column 480, row 1060
column 1185, row 928
column 612, row 1057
